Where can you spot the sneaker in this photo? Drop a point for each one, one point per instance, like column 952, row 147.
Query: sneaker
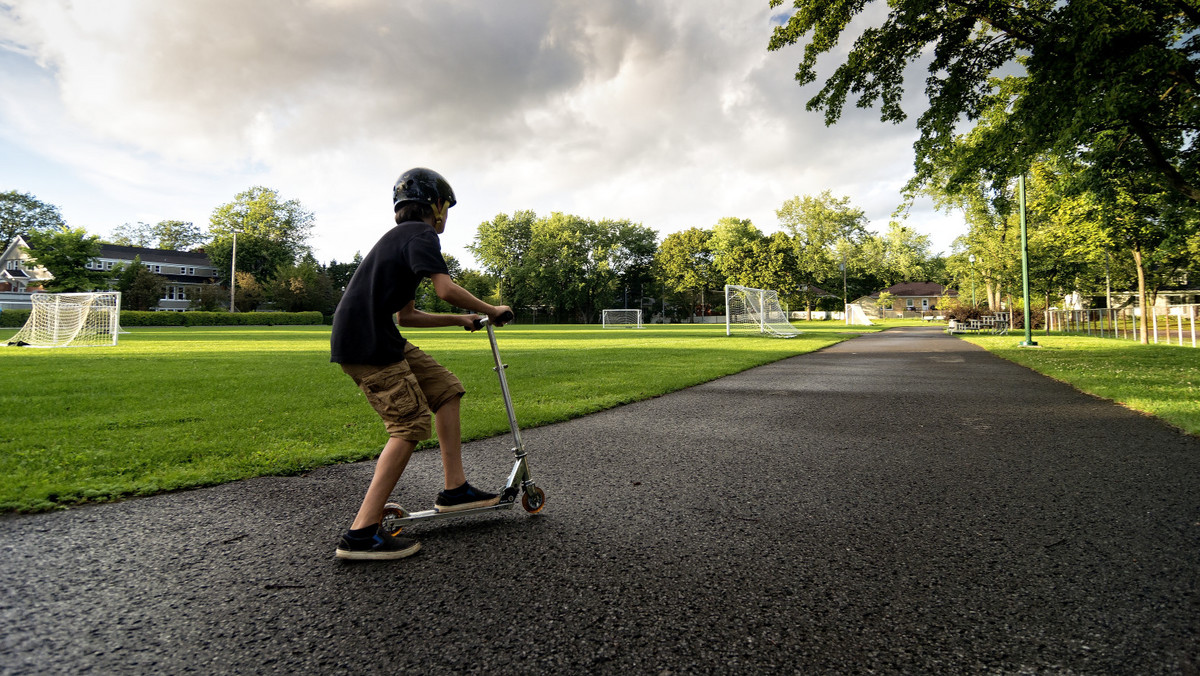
column 465, row 496
column 380, row 547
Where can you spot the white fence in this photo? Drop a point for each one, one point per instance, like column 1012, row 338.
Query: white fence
column 1174, row 325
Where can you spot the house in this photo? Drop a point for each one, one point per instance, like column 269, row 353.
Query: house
column 19, row 275
column 916, row 297
column 185, row 272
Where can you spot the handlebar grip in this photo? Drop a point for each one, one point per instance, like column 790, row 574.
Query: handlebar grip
column 506, row 317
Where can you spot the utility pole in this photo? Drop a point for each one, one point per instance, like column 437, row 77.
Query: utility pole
column 233, row 272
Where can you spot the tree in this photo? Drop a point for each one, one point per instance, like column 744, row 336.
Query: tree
column 129, row 234
column 271, row 234
column 169, row 235
column 178, row 235
column 65, row 254
column 23, row 214
column 1124, row 67
column 500, row 246
column 340, row 273
column 301, row 287
column 140, row 289
column 684, row 262
column 827, row 233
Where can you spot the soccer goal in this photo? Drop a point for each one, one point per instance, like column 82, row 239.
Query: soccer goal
column 856, row 315
column 71, row 320
column 757, row 310
column 631, row 319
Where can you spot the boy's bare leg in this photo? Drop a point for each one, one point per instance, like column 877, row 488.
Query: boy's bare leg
column 388, row 469
column 449, row 431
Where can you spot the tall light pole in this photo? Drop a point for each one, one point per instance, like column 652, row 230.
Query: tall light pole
column 1028, row 342
column 973, row 303
column 233, row 272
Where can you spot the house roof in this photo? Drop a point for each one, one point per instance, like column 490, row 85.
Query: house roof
column 153, row 255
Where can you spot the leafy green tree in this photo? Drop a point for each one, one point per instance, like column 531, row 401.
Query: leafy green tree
column 340, row 273
column 302, row 287
column 65, row 254
column 501, row 247
column 1124, row 67
column 130, row 234
column 178, row 235
column 22, row 214
column 828, row 233
column 170, row 235
column 272, row 234
column 684, row 263
column 140, row 288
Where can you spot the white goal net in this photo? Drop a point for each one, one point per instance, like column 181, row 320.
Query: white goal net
column 71, row 320
column 757, row 310
column 856, row 315
column 631, row 319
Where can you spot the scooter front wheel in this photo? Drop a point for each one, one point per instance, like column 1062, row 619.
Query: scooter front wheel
column 533, row 500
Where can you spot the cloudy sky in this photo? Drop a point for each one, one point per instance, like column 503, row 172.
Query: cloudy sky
column 670, row 113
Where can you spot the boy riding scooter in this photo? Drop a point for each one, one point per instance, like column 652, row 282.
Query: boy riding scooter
column 403, row 384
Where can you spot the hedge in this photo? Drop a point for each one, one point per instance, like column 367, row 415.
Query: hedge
column 136, row 318
column 15, row 319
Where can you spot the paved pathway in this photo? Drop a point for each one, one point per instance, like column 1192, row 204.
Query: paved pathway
column 903, row 502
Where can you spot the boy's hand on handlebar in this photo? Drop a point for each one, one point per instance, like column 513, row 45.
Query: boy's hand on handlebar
column 503, row 315
column 469, row 322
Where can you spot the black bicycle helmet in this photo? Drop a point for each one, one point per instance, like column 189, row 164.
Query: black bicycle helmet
column 422, row 185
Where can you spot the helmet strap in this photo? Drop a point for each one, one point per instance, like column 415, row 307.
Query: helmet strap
column 439, row 211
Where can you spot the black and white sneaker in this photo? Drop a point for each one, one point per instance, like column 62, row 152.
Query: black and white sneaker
column 465, row 496
column 378, row 547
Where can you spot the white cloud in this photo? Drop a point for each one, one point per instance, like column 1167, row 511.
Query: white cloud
column 668, row 113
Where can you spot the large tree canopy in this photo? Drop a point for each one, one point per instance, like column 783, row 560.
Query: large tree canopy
column 1123, row 68
column 22, row 214
column 271, row 233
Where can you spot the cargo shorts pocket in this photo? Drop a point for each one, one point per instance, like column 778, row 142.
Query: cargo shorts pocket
column 394, row 393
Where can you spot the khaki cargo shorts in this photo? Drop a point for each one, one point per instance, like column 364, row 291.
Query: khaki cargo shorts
column 406, row 392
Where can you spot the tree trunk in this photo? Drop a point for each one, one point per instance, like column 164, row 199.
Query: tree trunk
column 1141, row 272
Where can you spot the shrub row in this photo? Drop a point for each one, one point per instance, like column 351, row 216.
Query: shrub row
column 136, row 318
column 13, row 319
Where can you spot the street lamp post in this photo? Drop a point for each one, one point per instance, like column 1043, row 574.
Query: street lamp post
column 973, row 303
column 1028, row 342
column 233, row 271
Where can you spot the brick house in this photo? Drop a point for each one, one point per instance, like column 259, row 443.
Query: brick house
column 915, row 297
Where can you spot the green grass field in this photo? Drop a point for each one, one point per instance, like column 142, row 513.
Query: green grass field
column 172, row 408
column 1162, row 380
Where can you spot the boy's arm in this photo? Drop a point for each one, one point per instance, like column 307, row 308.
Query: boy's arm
column 452, row 293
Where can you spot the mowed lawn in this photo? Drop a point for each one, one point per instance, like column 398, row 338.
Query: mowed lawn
column 178, row 407
column 1162, row 380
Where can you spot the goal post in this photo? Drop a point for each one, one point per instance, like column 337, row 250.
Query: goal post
column 756, row 310
column 71, row 320
column 630, row 319
column 856, row 315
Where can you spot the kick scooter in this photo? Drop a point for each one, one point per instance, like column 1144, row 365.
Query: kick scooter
column 533, row 499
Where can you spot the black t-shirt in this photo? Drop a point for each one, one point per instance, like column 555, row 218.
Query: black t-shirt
column 386, row 280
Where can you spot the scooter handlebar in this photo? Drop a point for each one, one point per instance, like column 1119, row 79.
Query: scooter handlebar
column 504, row 318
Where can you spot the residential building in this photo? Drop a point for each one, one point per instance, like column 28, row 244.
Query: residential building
column 185, row 272
column 914, row 297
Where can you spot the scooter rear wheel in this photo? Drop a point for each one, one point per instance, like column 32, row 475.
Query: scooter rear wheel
column 533, row 500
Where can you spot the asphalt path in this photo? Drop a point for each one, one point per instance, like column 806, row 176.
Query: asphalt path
column 903, row 502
